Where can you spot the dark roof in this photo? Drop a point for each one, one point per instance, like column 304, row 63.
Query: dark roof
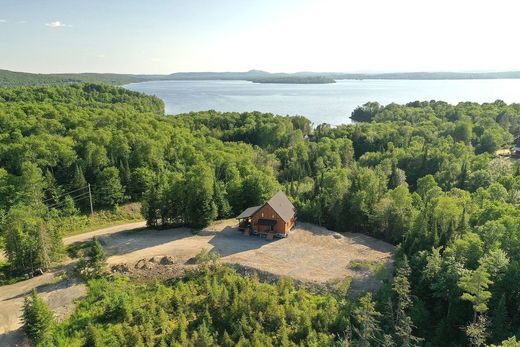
column 248, row 212
column 266, row 222
column 281, row 205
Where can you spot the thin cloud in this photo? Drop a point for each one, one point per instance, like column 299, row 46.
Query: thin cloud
column 2, row 21
column 57, row 24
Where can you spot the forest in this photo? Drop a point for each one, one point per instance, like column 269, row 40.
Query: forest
column 16, row 79
column 423, row 176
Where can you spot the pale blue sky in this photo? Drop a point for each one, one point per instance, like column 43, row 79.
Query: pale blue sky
column 159, row 36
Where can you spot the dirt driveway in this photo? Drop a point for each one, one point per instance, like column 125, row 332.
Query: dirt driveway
column 59, row 295
column 310, row 253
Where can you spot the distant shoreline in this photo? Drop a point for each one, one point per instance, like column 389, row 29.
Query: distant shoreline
column 14, row 79
column 295, row 80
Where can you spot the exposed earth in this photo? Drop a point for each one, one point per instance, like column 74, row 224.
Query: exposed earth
column 310, row 254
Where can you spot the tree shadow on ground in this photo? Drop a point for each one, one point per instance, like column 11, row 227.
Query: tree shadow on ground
column 131, row 241
column 231, row 241
column 48, row 287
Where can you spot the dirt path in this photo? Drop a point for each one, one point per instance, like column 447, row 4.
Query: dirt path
column 310, row 253
column 106, row 231
column 60, row 296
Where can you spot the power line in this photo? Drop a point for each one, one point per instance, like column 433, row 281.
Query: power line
column 64, row 194
column 75, row 198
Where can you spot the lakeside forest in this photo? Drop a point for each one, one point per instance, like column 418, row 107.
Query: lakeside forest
column 14, row 79
column 423, row 176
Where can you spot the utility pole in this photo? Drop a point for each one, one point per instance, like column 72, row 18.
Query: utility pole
column 90, row 196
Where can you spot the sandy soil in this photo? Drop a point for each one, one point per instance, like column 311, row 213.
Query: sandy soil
column 310, row 254
column 60, row 296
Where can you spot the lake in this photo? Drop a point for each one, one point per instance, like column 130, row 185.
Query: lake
column 321, row 103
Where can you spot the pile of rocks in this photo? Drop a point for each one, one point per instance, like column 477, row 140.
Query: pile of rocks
column 161, row 267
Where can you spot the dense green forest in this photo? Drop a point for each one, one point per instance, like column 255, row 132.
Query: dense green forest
column 14, row 79
column 422, row 176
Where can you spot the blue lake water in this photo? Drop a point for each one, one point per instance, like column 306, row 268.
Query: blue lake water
column 321, row 103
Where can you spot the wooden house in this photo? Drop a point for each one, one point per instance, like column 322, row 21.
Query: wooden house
column 276, row 217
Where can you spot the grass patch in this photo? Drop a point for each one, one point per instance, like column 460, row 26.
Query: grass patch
column 205, row 256
column 378, row 269
column 77, row 249
column 341, row 286
column 101, row 219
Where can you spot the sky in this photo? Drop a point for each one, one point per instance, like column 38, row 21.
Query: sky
column 161, row 37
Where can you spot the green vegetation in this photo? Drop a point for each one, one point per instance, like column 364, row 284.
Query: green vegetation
column 83, row 223
column 93, row 261
column 215, row 306
column 15, row 79
column 38, row 319
column 205, row 256
column 422, row 176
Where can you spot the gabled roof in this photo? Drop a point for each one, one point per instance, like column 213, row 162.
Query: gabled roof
column 281, row 205
column 248, row 212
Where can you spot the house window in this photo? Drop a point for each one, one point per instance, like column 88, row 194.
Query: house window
column 272, row 216
column 262, row 215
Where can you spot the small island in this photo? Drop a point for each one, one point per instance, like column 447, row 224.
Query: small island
column 295, row 80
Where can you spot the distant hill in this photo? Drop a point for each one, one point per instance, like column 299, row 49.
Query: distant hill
column 248, row 75
column 12, row 79
column 292, row 79
column 266, row 77
column 429, row 75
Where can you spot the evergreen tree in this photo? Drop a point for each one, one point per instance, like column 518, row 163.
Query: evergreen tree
column 97, row 256
column 109, row 192
column 475, row 283
column 500, row 321
column 38, row 319
column 30, row 241
column 403, row 323
column 366, row 321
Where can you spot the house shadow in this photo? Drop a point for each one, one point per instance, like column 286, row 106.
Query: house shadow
column 14, row 338
column 231, row 241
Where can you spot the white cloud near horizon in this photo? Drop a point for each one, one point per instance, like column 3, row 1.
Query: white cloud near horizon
column 56, row 24
column 2, row 21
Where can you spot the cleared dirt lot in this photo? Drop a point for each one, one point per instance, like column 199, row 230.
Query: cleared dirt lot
column 309, row 254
